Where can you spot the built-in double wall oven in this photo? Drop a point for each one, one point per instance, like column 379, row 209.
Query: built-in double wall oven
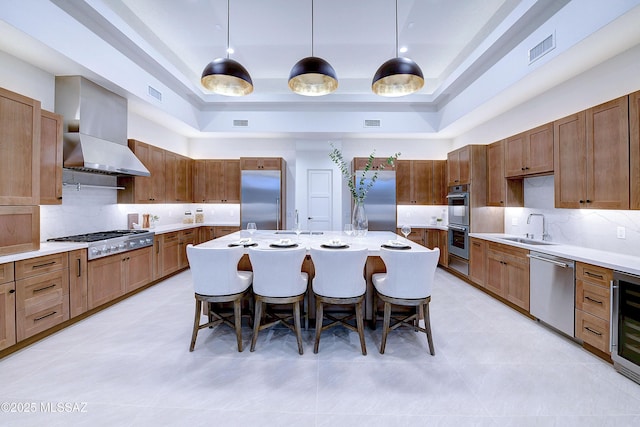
column 458, row 241
column 625, row 324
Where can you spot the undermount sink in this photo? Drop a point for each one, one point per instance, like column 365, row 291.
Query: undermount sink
column 525, row 241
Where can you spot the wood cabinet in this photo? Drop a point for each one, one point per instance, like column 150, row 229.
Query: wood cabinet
column 459, row 166
column 593, row 305
column 259, row 163
column 178, row 178
column 207, row 233
column 7, row 306
column 113, row 276
column 78, row 284
column 530, row 153
column 145, row 189
column 360, row 163
column 186, row 237
column 417, row 235
column 217, row 181
column 477, row 260
column 420, row 182
column 42, row 294
column 634, row 149
column 137, row 268
column 50, row 158
column 19, row 229
column 507, row 273
column 20, row 148
column 169, row 253
column 444, row 247
column 501, row 192
column 591, row 155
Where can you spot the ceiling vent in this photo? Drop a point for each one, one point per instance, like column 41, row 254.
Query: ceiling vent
column 241, row 123
column 155, row 93
column 542, row 48
column 372, row 123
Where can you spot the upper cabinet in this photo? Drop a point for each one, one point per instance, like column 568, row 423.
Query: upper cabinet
column 170, row 180
column 217, row 181
column 50, row 158
column 256, row 163
column 530, row 153
column 501, row 191
column 591, row 158
column 19, row 149
column 420, row 182
column 459, row 166
column 634, row 127
column 360, row 163
column 178, row 178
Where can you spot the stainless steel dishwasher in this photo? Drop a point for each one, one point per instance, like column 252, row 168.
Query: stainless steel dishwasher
column 552, row 291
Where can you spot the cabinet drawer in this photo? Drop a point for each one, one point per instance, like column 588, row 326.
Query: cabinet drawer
column 593, row 299
column 594, row 274
column 44, row 264
column 41, row 302
column 592, row 330
column 6, row 273
column 19, row 229
column 170, row 237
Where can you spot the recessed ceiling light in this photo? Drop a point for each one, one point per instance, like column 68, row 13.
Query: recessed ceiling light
column 403, row 49
column 230, row 50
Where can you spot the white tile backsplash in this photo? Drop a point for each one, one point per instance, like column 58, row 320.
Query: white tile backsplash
column 590, row 228
column 417, row 216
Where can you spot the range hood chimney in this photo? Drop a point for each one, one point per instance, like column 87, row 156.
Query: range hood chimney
column 95, row 129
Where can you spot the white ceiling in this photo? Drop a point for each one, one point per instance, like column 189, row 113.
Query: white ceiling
column 169, row 42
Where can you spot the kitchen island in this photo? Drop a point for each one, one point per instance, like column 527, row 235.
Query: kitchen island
column 372, row 241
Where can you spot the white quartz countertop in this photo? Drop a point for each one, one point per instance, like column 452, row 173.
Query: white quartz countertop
column 372, row 241
column 615, row 261
column 46, row 248
column 169, row 228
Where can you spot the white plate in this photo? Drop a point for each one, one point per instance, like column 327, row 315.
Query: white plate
column 396, row 243
column 335, row 244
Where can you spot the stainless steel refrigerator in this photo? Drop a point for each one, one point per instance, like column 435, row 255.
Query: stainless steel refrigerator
column 261, row 200
column 380, row 203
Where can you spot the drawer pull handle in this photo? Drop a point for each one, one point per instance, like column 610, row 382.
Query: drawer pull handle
column 79, row 267
column 593, row 300
column 45, row 316
column 596, row 276
column 53, row 285
column 46, row 264
column 588, row 329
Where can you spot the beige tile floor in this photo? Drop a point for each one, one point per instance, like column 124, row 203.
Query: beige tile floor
column 129, row 365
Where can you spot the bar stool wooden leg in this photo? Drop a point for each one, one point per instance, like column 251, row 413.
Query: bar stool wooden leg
column 296, row 321
column 237, row 314
column 360, row 324
column 427, row 327
column 385, row 326
column 319, row 319
column 256, row 323
column 196, row 324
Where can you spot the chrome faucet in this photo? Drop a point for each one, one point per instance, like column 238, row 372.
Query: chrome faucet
column 544, row 233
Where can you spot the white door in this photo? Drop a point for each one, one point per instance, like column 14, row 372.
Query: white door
column 319, row 199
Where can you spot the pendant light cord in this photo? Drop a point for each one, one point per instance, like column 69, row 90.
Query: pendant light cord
column 396, row 28
column 311, row 27
column 228, row 25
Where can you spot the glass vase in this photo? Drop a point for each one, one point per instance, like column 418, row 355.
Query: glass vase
column 359, row 219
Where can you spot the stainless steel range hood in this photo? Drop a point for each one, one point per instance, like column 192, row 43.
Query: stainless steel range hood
column 95, row 129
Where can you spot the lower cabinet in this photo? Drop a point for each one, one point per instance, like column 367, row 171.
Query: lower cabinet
column 593, row 305
column 78, row 285
column 169, row 253
column 507, row 273
column 186, row 237
column 113, row 276
column 7, row 306
column 477, row 260
column 42, row 294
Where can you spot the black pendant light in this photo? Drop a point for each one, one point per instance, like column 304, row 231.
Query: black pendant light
column 397, row 76
column 313, row 76
column 225, row 76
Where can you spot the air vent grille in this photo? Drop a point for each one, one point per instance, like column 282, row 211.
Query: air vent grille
column 542, row 48
column 241, row 123
column 372, row 123
column 155, row 93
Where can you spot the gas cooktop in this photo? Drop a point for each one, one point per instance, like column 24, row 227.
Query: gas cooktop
column 97, row 236
column 104, row 243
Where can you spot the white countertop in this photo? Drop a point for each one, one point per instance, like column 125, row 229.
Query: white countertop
column 615, row 261
column 46, row 248
column 372, row 241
